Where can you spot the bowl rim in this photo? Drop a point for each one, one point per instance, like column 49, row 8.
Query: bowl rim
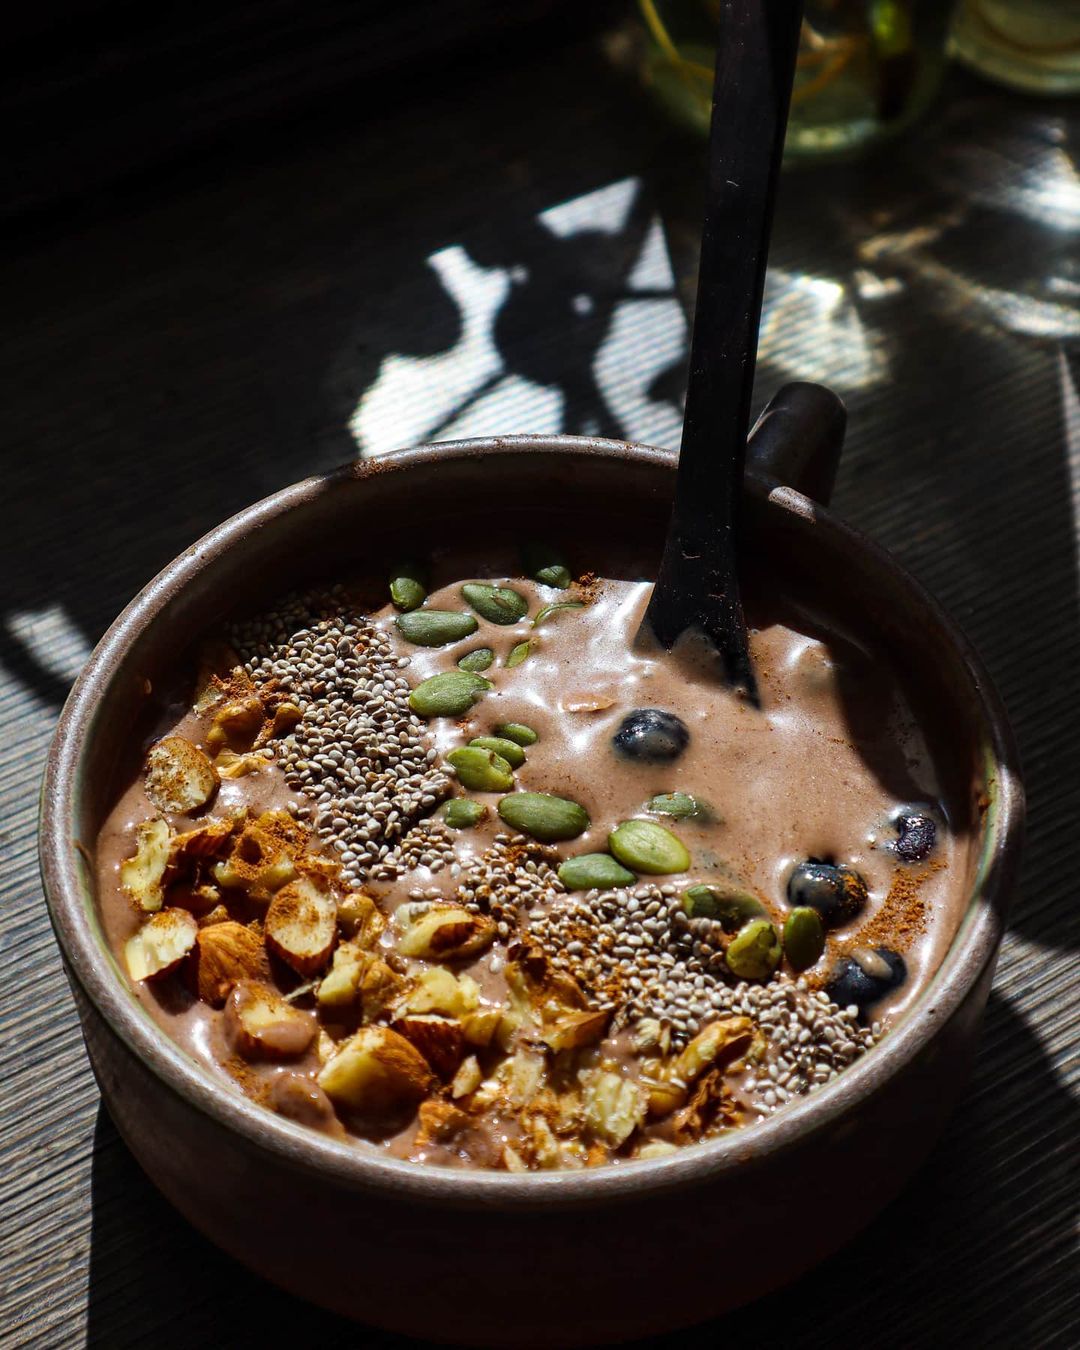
column 973, row 949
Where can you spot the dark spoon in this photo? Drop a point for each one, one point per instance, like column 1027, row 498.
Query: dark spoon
column 697, row 587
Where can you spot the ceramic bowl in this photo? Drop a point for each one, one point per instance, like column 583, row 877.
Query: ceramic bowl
column 484, row 1258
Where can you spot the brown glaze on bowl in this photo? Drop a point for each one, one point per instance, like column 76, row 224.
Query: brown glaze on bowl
column 502, row 1259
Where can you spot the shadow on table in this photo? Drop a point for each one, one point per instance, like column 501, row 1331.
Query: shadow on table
column 991, row 1178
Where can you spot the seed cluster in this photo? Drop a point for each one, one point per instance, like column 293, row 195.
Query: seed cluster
column 359, row 754
column 512, row 878
column 638, row 949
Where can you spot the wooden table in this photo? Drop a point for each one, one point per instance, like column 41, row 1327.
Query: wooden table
column 185, row 343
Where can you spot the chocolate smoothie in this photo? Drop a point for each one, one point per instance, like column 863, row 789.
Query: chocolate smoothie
column 476, row 879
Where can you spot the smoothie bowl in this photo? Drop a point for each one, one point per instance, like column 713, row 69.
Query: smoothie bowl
column 462, row 964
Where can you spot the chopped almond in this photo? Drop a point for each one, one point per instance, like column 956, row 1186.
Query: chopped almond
column 208, row 840
column 439, row 990
column 225, row 953
column 219, row 914
column 236, row 725
column 482, row 1024
column 447, row 933
column 340, row 986
column 439, row 1039
column 440, row 1122
column 377, row 1073
column 141, row 874
column 301, row 925
column 467, row 1079
column 613, row 1105
column 379, row 987
column 719, row 1042
column 179, row 776
column 575, row 1029
column 262, row 1025
column 160, row 944
column 360, row 918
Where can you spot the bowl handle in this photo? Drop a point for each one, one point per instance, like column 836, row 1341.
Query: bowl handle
column 798, row 438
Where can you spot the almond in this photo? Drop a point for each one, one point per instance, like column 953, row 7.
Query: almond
column 440, row 1122
column 340, row 986
column 179, row 776
column 377, row 1073
column 720, row 1041
column 141, row 874
column 379, row 987
column 225, row 953
column 160, row 944
column 301, row 925
column 447, row 933
column 236, row 724
column 261, row 1025
column 209, row 840
column 575, row 1029
column 467, row 1079
column 439, row 990
column 613, row 1105
column 439, row 1039
column 359, row 917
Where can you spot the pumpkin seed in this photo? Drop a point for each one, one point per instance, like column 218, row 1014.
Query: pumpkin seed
column 497, row 604
column 804, row 937
column 481, row 770
column 517, row 732
column 408, row 585
column 477, row 660
column 593, row 870
column 728, row 905
column 649, row 848
column 510, row 750
column 549, row 610
column 544, row 563
column 678, row 804
column 461, row 813
column 517, row 655
column 435, row 627
column 449, row 694
column 754, row 952
column 544, row 817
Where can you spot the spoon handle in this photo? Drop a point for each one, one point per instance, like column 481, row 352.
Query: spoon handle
column 697, row 585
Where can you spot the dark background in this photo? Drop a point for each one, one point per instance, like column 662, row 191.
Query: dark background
column 218, row 221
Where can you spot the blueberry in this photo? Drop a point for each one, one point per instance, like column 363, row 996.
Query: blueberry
column 865, row 978
column 648, row 733
column 916, row 833
column 837, row 892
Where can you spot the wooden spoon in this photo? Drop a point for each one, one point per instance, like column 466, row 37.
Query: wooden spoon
column 697, row 587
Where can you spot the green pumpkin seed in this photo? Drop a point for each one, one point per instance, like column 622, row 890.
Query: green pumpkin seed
column 546, row 818
column 754, row 952
column 408, row 585
column 727, row 905
column 649, row 848
column 460, row 813
column 804, row 937
column 478, row 660
column 589, row 871
column 678, row 804
column 497, row 604
column 481, row 770
column 549, row 610
column 449, row 694
column 517, row 732
column 510, row 750
column 544, row 563
column 435, row 627
column 517, row 655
